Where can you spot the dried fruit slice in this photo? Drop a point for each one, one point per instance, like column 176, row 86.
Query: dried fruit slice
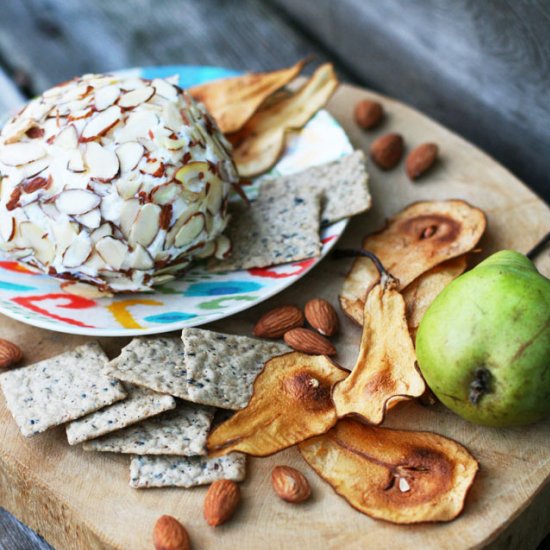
column 260, row 142
column 386, row 365
column 398, row 476
column 232, row 101
column 418, row 238
column 290, row 403
column 423, row 290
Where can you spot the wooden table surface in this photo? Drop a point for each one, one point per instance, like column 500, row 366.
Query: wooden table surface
column 42, row 43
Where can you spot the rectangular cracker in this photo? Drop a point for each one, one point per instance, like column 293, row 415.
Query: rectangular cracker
column 60, row 389
column 221, row 368
column 156, row 363
column 344, row 185
column 273, row 230
column 182, row 431
column 140, row 404
column 165, row 471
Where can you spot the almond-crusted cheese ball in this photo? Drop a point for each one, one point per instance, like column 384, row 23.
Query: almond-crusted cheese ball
column 118, row 182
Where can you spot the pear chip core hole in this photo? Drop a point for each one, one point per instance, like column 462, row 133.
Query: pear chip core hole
column 480, row 385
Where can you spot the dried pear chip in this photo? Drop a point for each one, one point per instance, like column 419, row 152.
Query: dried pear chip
column 398, row 476
column 422, row 291
column 290, row 403
column 232, row 101
column 259, row 144
column 385, row 369
column 418, row 238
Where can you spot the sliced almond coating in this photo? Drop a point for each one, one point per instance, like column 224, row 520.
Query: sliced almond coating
column 223, row 247
column 64, row 234
column 205, row 251
column 171, row 117
column 290, row 403
column 76, row 162
column 67, row 138
column 137, row 126
column 190, row 230
column 153, row 167
column 136, row 97
column 232, row 101
column 146, row 225
column 78, row 251
column 164, row 88
column 7, row 227
column 422, row 291
column 128, row 216
column 80, row 114
column 173, row 144
column 183, row 217
column 91, row 219
column 386, row 365
column 37, row 239
column 102, row 163
column 165, row 193
column 17, row 154
column 106, row 96
column 162, row 279
column 101, row 123
column 76, row 201
column 140, row 259
column 16, row 128
column 418, row 238
column 398, row 476
column 214, row 195
column 104, row 230
column 128, row 185
column 34, row 168
column 112, row 251
column 259, row 144
column 129, row 154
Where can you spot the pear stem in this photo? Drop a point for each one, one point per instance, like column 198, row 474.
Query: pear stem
column 538, row 248
column 480, row 385
column 385, row 276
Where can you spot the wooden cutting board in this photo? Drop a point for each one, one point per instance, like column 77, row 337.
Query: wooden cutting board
column 80, row 500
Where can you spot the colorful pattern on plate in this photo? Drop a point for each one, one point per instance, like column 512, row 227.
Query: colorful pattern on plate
column 198, row 297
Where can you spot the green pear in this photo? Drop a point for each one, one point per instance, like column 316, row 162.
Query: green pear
column 483, row 345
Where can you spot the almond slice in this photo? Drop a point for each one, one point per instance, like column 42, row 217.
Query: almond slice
column 136, row 97
column 171, row 117
column 140, row 259
column 76, row 201
column 146, row 225
column 137, row 125
column 214, row 195
column 153, row 167
column 7, row 227
column 37, row 238
column 34, row 168
column 104, row 230
column 165, row 193
column 80, row 114
column 67, row 138
column 101, row 123
column 105, row 97
column 78, row 251
column 128, row 185
column 112, row 251
column 129, row 154
column 64, row 234
column 190, row 230
column 164, row 88
column 224, row 246
column 128, row 216
column 206, row 251
column 91, row 219
column 102, row 163
column 16, row 154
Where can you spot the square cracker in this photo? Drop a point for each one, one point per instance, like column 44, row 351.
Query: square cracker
column 275, row 229
column 182, row 431
column 343, row 183
column 60, row 389
column 140, row 404
column 166, row 471
column 221, row 368
column 156, row 363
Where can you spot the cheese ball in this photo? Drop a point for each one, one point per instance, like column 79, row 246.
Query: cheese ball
column 118, row 182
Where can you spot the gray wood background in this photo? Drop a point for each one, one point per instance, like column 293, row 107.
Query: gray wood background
column 481, row 67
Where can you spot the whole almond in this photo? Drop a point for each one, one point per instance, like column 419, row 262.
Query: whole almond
column 170, row 534
column 368, row 113
column 221, row 501
column 278, row 321
column 308, row 341
column 10, row 354
column 421, row 159
column 322, row 316
column 387, row 150
column 290, row 484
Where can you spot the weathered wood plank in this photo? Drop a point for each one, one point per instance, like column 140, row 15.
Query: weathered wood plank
column 480, row 68
column 70, row 38
column 10, row 96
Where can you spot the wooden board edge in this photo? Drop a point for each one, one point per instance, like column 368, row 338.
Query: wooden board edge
column 44, row 511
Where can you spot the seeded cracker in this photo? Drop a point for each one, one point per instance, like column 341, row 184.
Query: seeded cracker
column 221, row 368
column 273, row 230
column 164, row 471
column 344, row 184
column 156, row 363
column 140, row 404
column 182, row 431
column 59, row 389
